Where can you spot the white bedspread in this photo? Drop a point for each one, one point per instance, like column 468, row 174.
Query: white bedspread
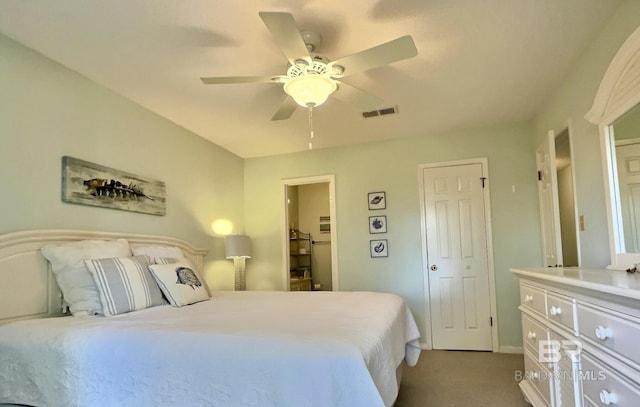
column 238, row 349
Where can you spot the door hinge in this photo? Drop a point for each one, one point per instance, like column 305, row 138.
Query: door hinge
column 539, row 175
column 483, row 179
column 491, row 321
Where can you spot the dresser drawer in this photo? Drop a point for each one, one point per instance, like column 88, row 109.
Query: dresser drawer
column 611, row 330
column 533, row 298
column 562, row 310
column 604, row 387
column 532, row 333
column 538, row 376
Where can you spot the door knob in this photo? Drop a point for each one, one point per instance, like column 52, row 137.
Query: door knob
column 434, row 267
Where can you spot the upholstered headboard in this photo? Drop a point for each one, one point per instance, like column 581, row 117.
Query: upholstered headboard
column 28, row 288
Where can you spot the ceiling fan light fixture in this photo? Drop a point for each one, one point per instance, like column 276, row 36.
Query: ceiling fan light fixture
column 310, row 89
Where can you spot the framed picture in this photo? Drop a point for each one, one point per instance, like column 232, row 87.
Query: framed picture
column 379, row 248
column 377, row 224
column 377, row 200
column 87, row 183
column 325, row 224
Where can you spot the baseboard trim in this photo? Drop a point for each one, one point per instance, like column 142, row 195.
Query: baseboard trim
column 502, row 349
column 511, row 349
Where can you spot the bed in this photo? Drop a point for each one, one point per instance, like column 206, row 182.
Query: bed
column 234, row 349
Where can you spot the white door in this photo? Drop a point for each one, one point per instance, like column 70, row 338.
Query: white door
column 458, row 259
column 548, row 200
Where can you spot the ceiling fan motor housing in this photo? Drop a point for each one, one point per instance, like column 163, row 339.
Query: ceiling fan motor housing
column 311, row 39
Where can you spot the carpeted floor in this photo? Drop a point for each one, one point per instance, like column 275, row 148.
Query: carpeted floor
column 459, row 378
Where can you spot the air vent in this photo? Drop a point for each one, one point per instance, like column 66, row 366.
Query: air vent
column 381, row 112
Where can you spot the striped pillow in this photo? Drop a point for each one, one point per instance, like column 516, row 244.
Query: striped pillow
column 124, row 284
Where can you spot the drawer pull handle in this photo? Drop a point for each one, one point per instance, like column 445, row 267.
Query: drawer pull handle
column 555, row 311
column 528, row 298
column 531, row 335
column 607, row 398
column 603, row 333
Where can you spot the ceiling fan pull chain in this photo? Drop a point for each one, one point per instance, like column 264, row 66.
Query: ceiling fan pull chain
column 310, row 126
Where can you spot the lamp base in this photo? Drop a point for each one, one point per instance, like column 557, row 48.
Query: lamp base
column 240, row 282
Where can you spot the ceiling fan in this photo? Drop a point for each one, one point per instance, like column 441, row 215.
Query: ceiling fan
column 311, row 79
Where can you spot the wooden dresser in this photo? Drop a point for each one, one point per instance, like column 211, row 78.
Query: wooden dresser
column 581, row 334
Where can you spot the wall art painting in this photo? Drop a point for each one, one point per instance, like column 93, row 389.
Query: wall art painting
column 377, row 224
column 325, row 224
column 87, row 183
column 379, row 248
column 377, row 200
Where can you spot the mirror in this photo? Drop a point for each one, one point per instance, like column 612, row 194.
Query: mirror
column 615, row 110
column 626, row 138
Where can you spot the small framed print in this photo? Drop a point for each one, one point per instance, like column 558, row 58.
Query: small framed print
column 377, row 224
column 377, row 200
column 379, row 248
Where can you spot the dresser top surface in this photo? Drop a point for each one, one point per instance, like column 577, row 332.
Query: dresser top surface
column 604, row 280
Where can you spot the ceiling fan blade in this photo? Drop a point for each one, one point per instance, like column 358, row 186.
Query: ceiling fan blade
column 287, row 108
column 383, row 54
column 359, row 98
column 286, row 34
column 240, row 79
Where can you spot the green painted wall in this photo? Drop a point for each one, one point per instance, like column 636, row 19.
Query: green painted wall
column 47, row 111
column 628, row 126
column 393, row 167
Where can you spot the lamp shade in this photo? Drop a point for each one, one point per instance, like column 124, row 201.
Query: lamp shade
column 237, row 246
column 310, row 89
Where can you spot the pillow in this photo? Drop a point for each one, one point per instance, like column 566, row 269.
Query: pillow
column 180, row 282
column 166, row 260
column 158, row 251
column 76, row 283
column 124, row 284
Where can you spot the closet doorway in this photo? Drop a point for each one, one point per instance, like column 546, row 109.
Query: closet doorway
column 310, row 255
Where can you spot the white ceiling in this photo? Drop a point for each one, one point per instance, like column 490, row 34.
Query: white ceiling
column 479, row 62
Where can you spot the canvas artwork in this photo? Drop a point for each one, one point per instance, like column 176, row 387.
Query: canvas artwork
column 87, row 183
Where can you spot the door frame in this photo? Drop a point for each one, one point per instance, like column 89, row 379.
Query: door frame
column 484, row 164
column 549, row 222
column 568, row 127
column 318, row 179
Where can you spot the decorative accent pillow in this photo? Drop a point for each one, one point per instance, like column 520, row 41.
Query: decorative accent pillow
column 125, row 284
column 76, row 283
column 158, row 251
column 180, row 282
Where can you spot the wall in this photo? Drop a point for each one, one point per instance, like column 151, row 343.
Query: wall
column 628, row 126
column 392, row 166
column 568, row 106
column 47, row 111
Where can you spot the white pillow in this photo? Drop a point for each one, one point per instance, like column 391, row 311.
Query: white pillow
column 125, row 284
column 158, row 251
column 76, row 283
column 180, row 282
